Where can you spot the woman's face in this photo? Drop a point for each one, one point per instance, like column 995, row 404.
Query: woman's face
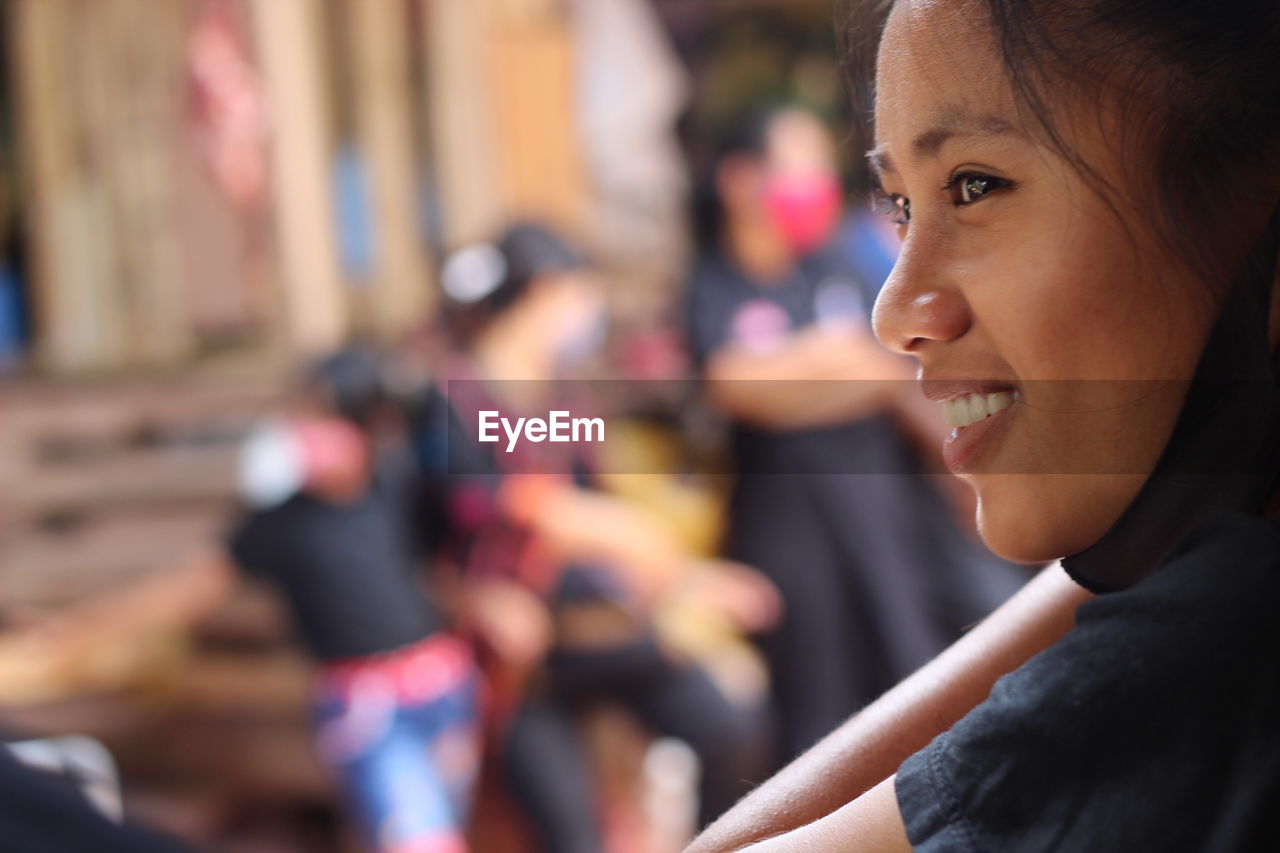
column 573, row 314
column 1018, row 279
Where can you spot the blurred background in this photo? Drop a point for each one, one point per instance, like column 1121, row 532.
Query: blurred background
column 199, row 198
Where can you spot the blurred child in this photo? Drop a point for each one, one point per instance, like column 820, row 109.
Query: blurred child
column 46, row 812
column 395, row 695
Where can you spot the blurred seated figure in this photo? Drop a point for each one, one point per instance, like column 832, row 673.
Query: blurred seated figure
column 558, row 578
column 395, row 692
column 829, row 501
column 52, row 801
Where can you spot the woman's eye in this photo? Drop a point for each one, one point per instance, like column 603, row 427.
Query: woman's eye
column 968, row 187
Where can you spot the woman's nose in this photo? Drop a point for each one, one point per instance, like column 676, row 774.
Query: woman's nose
column 917, row 307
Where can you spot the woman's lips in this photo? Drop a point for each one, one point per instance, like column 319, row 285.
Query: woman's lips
column 961, row 447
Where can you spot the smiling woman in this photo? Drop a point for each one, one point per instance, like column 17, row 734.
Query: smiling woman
column 1017, row 271
column 1087, row 193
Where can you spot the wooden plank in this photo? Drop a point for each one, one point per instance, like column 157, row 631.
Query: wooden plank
column 129, row 480
column 464, row 129
column 277, row 684
column 228, row 251
column 48, row 570
column 73, row 323
column 99, row 105
column 114, row 640
column 383, row 105
column 119, row 412
column 137, row 137
column 315, row 304
column 540, row 155
column 121, row 448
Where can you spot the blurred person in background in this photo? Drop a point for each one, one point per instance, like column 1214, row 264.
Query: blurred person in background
column 328, row 524
column 560, row 579
column 51, row 812
column 828, row 501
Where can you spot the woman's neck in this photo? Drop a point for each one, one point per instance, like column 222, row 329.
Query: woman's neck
column 517, row 361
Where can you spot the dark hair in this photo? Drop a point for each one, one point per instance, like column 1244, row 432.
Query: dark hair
column 353, row 378
column 1200, row 80
column 744, row 135
column 529, row 252
column 523, row 253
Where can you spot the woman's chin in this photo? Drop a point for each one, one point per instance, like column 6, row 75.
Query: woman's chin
column 1015, row 543
column 1037, row 518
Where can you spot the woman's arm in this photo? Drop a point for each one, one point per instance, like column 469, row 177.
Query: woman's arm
column 869, row 824
column 821, row 376
column 866, row 750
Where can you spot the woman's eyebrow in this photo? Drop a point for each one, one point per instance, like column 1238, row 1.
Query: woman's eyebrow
column 954, row 123
column 879, row 161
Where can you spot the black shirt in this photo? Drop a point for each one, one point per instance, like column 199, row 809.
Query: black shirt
column 725, row 306
column 347, row 572
column 1153, row 725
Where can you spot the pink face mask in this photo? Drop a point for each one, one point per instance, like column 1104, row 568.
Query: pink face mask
column 284, row 457
column 804, row 208
column 330, row 449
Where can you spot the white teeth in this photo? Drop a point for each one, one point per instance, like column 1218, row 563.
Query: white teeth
column 971, row 408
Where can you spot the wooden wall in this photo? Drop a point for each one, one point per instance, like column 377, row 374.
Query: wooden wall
column 93, row 100
column 504, row 124
column 137, row 261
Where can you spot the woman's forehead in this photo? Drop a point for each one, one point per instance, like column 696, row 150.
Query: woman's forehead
column 939, row 75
